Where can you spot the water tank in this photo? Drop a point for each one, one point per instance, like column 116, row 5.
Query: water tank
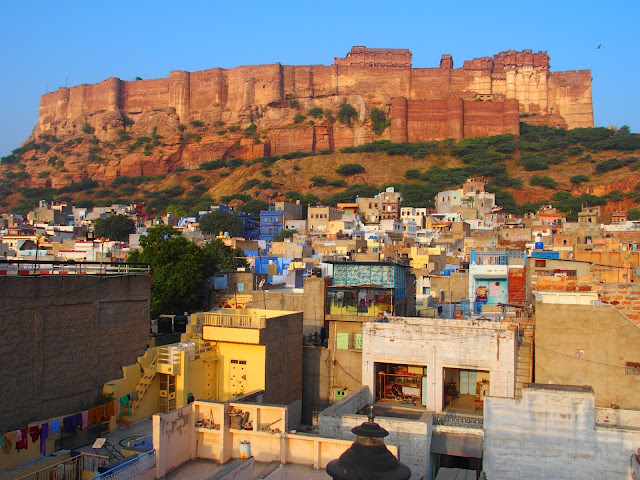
column 180, row 323
column 539, row 246
column 165, row 325
column 447, row 272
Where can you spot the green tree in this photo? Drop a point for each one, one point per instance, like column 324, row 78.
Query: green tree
column 114, row 227
column 349, row 169
column 179, row 268
column 254, row 207
column 346, row 113
column 633, row 214
column 220, row 221
column 280, row 236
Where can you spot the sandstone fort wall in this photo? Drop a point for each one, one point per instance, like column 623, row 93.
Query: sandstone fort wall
column 235, row 94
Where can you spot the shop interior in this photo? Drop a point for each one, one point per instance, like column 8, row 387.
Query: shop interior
column 464, row 390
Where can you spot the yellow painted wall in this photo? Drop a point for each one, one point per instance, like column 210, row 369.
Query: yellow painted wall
column 255, row 358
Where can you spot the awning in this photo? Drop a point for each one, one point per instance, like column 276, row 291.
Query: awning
column 458, row 445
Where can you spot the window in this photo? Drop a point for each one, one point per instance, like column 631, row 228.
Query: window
column 541, row 263
column 632, row 368
column 342, row 340
column 357, row 341
column 234, row 361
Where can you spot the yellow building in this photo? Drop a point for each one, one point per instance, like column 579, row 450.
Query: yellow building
column 224, row 354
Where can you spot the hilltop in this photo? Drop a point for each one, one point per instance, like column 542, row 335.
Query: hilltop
column 543, row 164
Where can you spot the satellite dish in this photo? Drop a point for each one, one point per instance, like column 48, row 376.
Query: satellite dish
column 261, row 284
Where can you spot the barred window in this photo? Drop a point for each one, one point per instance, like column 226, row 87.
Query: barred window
column 632, row 368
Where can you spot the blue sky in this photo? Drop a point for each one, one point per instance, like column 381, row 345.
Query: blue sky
column 48, row 44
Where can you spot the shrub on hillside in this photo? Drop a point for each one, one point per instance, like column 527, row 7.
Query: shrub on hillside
column 578, row 179
column 349, row 169
column 542, row 181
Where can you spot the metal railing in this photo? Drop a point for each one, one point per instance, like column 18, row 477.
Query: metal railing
column 69, row 469
column 452, row 420
column 131, row 468
column 236, row 321
column 54, row 267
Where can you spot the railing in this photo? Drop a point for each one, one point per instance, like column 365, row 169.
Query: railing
column 70, row 468
column 451, row 420
column 51, row 267
column 236, row 321
column 170, row 354
column 131, row 468
column 503, row 257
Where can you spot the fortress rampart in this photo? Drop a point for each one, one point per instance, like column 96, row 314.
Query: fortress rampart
column 485, row 96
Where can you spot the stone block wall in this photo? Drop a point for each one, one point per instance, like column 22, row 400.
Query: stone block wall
column 552, row 433
column 63, row 337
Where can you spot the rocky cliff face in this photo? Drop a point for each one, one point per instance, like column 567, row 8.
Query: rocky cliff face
column 484, row 97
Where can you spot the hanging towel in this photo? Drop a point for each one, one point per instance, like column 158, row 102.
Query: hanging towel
column 54, row 427
column 111, row 409
column 34, row 431
column 77, row 421
column 19, row 433
column 66, row 422
column 95, row 415
column 44, row 434
column 85, row 419
column 9, row 439
column 23, row 443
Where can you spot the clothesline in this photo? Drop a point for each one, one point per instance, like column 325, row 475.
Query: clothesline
column 19, row 439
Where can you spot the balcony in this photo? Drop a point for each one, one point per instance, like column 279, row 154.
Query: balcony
column 215, row 319
column 234, row 326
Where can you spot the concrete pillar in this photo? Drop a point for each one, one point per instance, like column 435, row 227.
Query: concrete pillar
column 180, row 93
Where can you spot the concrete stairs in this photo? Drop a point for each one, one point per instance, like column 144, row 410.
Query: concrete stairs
column 525, row 359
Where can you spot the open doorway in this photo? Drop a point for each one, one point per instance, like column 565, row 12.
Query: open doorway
column 464, row 390
column 401, row 383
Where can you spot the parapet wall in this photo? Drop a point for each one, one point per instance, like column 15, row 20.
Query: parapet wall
column 521, row 76
column 63, row 338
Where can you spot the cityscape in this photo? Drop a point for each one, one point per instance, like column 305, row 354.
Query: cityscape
column 361, row 269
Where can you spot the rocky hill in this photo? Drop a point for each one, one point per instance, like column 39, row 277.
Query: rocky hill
column 188, row 167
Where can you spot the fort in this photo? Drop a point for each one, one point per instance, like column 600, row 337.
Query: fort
column 486, row 96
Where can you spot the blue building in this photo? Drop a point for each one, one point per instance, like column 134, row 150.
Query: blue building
column 250, row 226
column 271, row 223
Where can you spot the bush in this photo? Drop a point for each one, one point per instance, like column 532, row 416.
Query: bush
column 542, row 181
column 86, row 128
column 412, row 174
column 615, row 196
column 299, row 118
column 575, row 150
column 319, row 181
column 337, row 183
column 123, row 136
column 535, row 162
column 346, row 113
column 633, row 214
column 195, row 178
column 578, row 179
column 613, row 164
column 233, row 128
column 197, row 123
column 181, row 127
column 212, row 165
column 218, row 123
column 349, row 169
column 315, row 112
column 43, row 174
column 250, row 130
column 126, row 121
column 249, row 184
column 379, row 120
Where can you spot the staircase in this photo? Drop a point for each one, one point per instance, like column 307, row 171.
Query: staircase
column 144, row 383
column 524, row 369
